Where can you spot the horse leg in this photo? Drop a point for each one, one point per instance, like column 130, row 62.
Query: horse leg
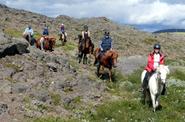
column 110, row 75
column 80, row 57
column 144, row 93
column 84, row 58
column 98, row 70
column 153, row 97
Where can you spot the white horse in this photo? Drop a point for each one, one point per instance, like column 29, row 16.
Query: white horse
column 156, row 83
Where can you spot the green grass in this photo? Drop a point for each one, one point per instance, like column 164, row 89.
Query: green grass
column 13, row 32
column 177, row 74
column 56, row 99
column 150, row 41
column 133, row 110
column 69, row 46
column 128, row 107
column 54, row 119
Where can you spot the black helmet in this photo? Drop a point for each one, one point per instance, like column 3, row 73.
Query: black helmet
column 85, row 27
column 157, row 46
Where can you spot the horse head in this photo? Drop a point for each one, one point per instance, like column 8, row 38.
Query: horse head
column 162, row 72
column 113, row 55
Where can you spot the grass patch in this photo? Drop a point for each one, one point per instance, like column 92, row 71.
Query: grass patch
column 73, row 103
column 56, row 99
column 37, row 35
column 13, row 32
column 177, row 74
column 135, row 76
column 69, row 46
column 54, row 119
column 133, row 110
column 150, row 41
column 42, row 107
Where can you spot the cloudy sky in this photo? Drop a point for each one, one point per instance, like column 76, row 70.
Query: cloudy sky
column 146, row 14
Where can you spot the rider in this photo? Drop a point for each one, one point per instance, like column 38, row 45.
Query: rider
column 85, row 32
column 62, row 30
column 28, row 32
column 45, row 31
column 155, row 58
column 45, row 34
column 105, row 45
column 85, row 35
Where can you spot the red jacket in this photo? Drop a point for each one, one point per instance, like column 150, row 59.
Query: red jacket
column 150, row 64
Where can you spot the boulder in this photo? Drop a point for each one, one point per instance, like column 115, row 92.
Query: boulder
column 12, row 46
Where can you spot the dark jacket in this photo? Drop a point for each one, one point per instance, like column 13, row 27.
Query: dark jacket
column 106, row 44
column 45, row 32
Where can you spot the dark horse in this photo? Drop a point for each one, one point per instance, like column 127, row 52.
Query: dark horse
column 49, row 43
column 107, row 60
column 63, row 38
column 29, row 38
column 85, row 47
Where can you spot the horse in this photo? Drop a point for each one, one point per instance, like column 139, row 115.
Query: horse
column 63, row 38
column 29, row 38
column 49, row 43
column 155, row 84
column 85, row 47
column 107, row 60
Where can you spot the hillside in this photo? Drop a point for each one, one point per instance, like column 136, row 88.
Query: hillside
column 170, row 31
column 52, row 87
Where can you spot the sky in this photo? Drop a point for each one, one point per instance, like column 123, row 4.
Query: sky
column 148, row 15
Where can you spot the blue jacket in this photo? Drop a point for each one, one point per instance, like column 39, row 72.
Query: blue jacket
column 106, row 44
column 45, row 32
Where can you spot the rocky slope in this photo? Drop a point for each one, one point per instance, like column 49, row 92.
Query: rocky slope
column 43, row 84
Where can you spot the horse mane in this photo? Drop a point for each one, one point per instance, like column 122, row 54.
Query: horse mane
column 164, row 68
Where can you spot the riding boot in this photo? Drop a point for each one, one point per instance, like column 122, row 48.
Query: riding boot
column 98, row 58
column 164, row 90
column 145, row 81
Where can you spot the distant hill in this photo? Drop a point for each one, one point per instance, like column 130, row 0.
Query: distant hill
column 169, row 30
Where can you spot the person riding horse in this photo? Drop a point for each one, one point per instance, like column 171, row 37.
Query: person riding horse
column 105, row 45
column 85, row 35
column 85, row 32
column 45, row 35
column 155, row 59
column 62, row 34
column 28, row 34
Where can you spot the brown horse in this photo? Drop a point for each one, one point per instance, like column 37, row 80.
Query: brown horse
column 107, row 60
column 63, row 38
column 49, row 43
column 85, row 47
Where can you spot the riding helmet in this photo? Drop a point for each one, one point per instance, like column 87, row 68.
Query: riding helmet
column 157, row 46
column 85, row 27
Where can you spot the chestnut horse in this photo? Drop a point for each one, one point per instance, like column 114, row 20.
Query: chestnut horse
column 85, row 47
column 49, row 43
column 107, row 60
